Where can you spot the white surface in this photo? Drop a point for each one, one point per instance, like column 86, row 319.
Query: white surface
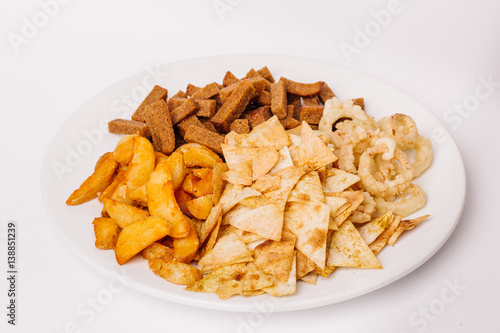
column 446, row 197
column 435, row 51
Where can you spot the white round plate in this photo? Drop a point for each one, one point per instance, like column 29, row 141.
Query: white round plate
column 83, row 138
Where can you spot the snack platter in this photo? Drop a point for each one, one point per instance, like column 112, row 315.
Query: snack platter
column 83, row 138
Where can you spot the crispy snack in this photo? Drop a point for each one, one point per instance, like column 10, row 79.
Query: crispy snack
column 196, row 155
column 141, row 165
column 175, row 272
column 311, row 114
column 207, row 91
column 184, row 124
column 106, row 233
column 240, row 126
column 160, row 124
column 234, row 106
column 360, row 102
column 136, row 236
column 206, row 107
column 124, row 126
column 325, row 93
column 191, row 89
column 266, row 74
column 184, row 110
column 259, row 115
column 229, row 79
column 122, row 213
column 185, row 247
column 95, row 183
column 310, row 100
column 158, row 93
column 302, row 89
column 158, row 251
column 278, row 101
column 204, row 137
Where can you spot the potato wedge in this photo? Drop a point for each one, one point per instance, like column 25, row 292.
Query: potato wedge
column 182, row 197
column 175, row 272
column 108, row 191
column 189, row 184
column 106, row 233
column 142, row 163
column 161, row 200
column 96, row 182
column 198, row 155
column 138, row 235
column 139, row 195
column 124, row 150
column 177, row 168
column 185, row 248
column 158, row 251
column 122, row 213
column 200, row 207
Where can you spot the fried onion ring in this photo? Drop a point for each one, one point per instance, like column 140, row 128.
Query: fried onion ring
column 401, row 128
column 405, row 206
column 374, row 181
column 423, row 160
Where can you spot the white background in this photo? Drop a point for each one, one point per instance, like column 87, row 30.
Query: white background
column 435, row 51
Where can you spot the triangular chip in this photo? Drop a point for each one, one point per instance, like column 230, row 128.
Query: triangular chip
column 304, row 264
column 267, row 134
column 235, row 213
column 255, row 202
column 237, row 155
column 255, row 279
column 348, row 249
column 265, row 221
column 217, row 181
column 284, row 161
column 309, row 222
column 371, row 230
column 338, row 180
column 287, row 287
column 233, row 194
column 378, row 244
column 289, row 177
column 275, row 258
column 405, row 225
column 228, row 250
column 336, row 204
column 240, row 174
column 264, row 161
column 213, row 218
column 355, row 198
column 225, row 281
column 308, row 188
column 246, row 237
column 310, row 278
column 267, row 183
column 313, row 153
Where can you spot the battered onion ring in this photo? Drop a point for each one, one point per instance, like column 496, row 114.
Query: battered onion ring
column 400, row 127
column 405, row 206
column 335, row 110
column 388, row 187
column 423, row 160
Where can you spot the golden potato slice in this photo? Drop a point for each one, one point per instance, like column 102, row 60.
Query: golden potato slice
column 182, row 197
column 96, row 182
column 177, row 168
column 200, row 207
column 138, row 235
column 174, row 271
column 198, row 155
column 142, row 163
column 124, row 150
column 108, row 191
column 106, row 233
column 139, row 195
column 185, row 248
column 158, row 251
column 200, row 172
column 161, row 199
column 122, row 213
column 189, row 184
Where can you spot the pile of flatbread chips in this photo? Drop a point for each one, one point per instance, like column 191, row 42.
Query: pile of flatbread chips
column 276, row 209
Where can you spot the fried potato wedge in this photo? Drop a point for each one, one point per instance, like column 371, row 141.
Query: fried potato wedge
column 198, row 155
column 177, row 168
column 158, row 251
column 96, row 182
column 124, row 150
column 174, row 271
column 185, row 248
column 200, row 207
column 106, row 233
column 142, row 163
column 138, row 235
column 161, row 199
column 122, row 213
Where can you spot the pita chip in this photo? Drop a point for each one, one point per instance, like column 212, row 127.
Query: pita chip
column 284, row 161
column 355, row 198
column 240, row 174
column 371, row 230
column 348, row 249
column 265, row 221
column 235, row 193
column 275, row 258
column 264, row 161
column 225, row 281
column 308, row 188
column 267, row 183
column 405, row 225
column 304, row 264
column 267, row 134
column 217, row 181
column 378, row 244
column 312, row 152
column 289, row 177
column 255, row 279
column 338, row 180
column 310, row 278
column 283, row 288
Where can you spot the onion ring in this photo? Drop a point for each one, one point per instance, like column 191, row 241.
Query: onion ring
column 405, row 206
column 423, row 160
column 401, row 128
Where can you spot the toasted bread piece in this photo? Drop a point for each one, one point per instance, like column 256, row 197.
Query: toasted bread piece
column 125, row 126
column 302, row 89
column 311, row 114
column 184, row 110
column 204, row 137
column 359, row 101
column 278, row 99
column 191, row 120
column 207, row 91
column 155, row 95
column 229, row 79
column 240, row 126
column 325, row 93
column 160, row 125
column 206, row 107
column 266, row 74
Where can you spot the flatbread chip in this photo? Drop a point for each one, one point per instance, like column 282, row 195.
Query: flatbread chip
column 355, row 198
column 237, row 155
column 309, row 222
column 308, row 188
column 265, row 221
column 213, row 218
column 264, row 161
column 217, row 181
column 312, row 152
column 246, row 237
column 371, row 230
column 348, row 249
column 289, row 177
column 235, row 193
column 229, row 249
column 304, row 264
column 275, row 258
column 267, row 134
column 224, row 281
column 283, row 288
column 336, row 204
column 284, row 161
column 310, row 278
column 405, row 225
column 338, row 180
column 378, row 244
column 255, row 202
column 240, row 174
column 255, row 279
column 267, row 183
